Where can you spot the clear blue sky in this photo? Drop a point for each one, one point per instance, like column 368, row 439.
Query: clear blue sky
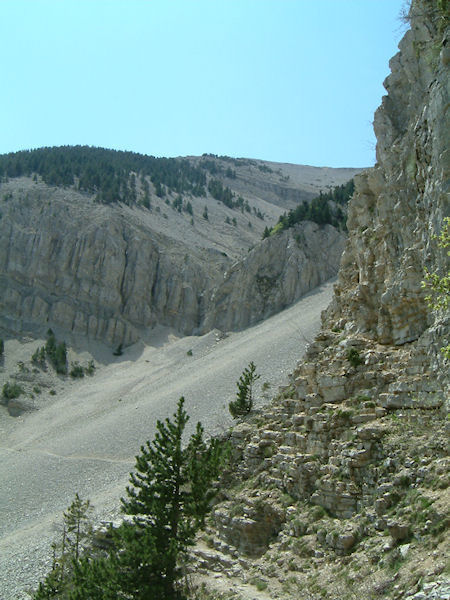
column 284, row 80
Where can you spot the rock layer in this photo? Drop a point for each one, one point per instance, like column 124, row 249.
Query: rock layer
column 93, row 271
column 353, row 454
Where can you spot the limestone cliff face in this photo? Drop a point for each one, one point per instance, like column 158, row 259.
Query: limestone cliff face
column 113, row 272
column 93, row 270
column 275, row 274
column 400, row 204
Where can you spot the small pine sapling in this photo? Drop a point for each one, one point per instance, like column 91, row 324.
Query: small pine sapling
column 244, row 397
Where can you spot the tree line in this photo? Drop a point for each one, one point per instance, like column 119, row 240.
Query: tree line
column 118, row 176
column 111, row 174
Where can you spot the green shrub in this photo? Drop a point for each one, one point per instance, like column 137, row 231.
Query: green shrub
column 318, row 513
column 90, row 369
column 11, row 391
column 38, row 357
column 77, row 371
column 353, row 357
column 56, row 353
column 259, row 583
column 2, row 348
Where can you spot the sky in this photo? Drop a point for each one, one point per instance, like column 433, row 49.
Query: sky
column 282, row 80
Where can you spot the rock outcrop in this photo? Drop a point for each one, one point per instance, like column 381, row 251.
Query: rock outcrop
column 276, row 273
column 399, row 206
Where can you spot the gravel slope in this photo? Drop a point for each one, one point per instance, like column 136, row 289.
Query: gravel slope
column 86, row 440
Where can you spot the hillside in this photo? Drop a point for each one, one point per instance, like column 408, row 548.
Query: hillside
column 341, row 487
column 96, row 250
column 81, row 435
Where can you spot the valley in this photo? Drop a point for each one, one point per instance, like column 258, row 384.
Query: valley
column 85, row 438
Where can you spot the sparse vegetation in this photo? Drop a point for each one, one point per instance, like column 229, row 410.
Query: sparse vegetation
column 259, row 583
column 437, row 285
column 90, row 369
column 38, row 357
column 324, row 209
column 76, row 370
column 110, row 174
column 56, row 353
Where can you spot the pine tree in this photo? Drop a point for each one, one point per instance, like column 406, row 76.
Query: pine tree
column 244, row 397
column 76, row 533
column 169, row 498
column 93, row 580
column 78, row 525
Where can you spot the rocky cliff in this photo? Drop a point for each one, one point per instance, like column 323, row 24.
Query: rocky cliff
column 93, row 270
column 341, row 485
column 400, row 204
column 274, row 274
column 112, row 272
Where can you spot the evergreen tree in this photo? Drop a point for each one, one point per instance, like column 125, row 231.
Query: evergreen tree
column 76, row 532
column 60, row 361
column 94, row 580
column 77, row 522
column 169, row 498
column 244, row 397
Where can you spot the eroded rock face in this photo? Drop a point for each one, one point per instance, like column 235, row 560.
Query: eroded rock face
column 109, row 273
column 400, row 204
column 93, row 270
column 275, row 274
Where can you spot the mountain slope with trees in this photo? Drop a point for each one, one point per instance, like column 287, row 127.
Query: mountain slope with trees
column 108, row 244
